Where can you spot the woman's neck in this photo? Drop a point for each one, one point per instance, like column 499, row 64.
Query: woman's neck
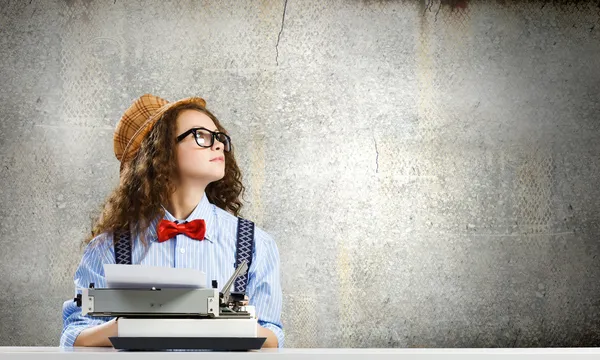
column 184, row 200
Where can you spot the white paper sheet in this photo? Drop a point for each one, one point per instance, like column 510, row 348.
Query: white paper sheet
column 144, row 276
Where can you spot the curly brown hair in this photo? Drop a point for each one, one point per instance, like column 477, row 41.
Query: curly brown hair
column 147, row 180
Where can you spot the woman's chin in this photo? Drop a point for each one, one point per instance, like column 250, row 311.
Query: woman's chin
column 216, row 176
column 204, row 177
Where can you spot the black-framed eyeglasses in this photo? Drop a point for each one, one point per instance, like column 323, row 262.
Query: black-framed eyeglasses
column 206, row 138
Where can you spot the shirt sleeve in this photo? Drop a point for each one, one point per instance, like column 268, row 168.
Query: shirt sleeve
column 90, row 270
column 264, row 287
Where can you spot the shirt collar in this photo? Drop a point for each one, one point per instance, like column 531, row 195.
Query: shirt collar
column 204, row 210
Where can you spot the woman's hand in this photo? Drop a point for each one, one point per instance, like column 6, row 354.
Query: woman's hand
column 271, row 341
column 98, row 335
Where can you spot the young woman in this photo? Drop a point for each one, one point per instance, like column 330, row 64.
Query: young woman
column 179, row 197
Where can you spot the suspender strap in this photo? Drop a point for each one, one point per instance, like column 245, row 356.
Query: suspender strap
column 244, row 250
column 122, row 245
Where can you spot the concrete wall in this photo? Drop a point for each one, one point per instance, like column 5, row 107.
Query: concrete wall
column 429, row 171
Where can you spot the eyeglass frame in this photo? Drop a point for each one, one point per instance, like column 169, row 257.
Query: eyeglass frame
column 213, row 137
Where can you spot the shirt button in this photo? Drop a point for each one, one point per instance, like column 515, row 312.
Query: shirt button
column 182, row 250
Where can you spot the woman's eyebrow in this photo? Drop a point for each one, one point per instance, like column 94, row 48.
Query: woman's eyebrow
column 204, row 127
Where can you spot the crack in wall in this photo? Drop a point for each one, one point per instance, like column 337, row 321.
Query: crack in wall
column 280, row 31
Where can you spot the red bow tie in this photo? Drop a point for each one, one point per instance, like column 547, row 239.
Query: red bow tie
column 195, row 229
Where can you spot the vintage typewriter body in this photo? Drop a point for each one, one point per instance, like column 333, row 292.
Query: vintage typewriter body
column 176, row 318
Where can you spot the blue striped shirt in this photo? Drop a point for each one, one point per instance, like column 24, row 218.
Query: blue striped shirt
column 215, row 256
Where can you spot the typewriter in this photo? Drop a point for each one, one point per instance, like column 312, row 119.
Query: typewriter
column 155, row 319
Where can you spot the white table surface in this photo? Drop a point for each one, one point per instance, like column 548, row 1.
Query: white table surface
column 328, row 354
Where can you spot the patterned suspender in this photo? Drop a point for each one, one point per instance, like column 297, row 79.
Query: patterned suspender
column 122, row 245
column 243, row 251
